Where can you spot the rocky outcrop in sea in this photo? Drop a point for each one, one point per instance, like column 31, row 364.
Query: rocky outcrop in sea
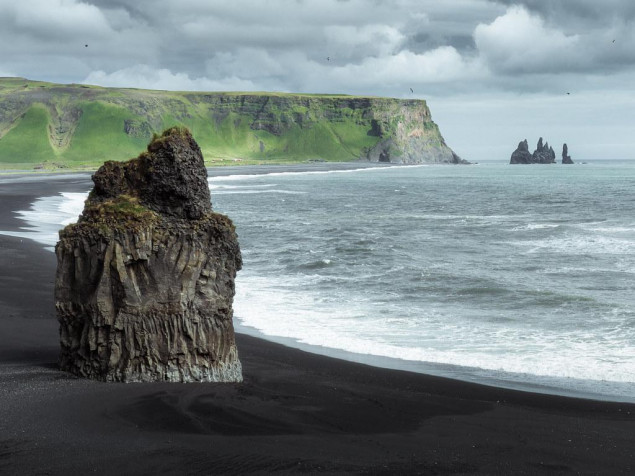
column 566, row 158
column 544, row 154
column 145, row 278
column 522, row 155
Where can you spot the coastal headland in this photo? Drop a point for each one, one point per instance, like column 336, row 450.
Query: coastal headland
column 145, row 278
column 295, row 411
column 79, row 126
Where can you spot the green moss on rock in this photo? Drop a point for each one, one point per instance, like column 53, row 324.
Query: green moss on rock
column 123, row 212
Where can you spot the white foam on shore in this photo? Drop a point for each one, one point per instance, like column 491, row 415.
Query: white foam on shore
column 309, row 318
column 336, row 324
column 213, row 187
column 252, row 192
column 47, row 215
column 222, row 178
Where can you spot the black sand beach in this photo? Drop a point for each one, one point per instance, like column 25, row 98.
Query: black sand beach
column 295, row 412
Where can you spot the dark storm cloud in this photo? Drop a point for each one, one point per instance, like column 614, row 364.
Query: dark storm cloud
column 606, row 31
column 559, row 37
column 285, row 45
column 483, row 56
column 591, row 12
column 46, row 39
column 352, row 46
column 423, row 41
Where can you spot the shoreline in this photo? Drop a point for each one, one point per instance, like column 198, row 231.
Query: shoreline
column 80, row 182
column 295, row 411
column 470, row 375
column 223, row 169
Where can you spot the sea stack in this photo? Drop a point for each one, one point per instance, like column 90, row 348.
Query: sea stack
column 522, row 155
column 145, row 278
column 566, row 158
column 544, row 154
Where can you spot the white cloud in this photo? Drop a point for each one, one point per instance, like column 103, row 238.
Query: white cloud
column 519, row 42
column 66, row 18
column 143, row 76
column 119, row 19
column 408, row 68
column 246, row 63
column 349, row 41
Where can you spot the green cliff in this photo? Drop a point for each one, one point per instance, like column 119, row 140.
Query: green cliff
column 45, row 125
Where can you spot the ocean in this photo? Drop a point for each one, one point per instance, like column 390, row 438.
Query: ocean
column 517, row 276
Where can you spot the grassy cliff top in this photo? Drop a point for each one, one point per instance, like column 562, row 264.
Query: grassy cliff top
column 48, row 126
column 16, row 84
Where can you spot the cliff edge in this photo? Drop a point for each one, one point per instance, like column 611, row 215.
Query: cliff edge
column 69, row 126
column 145, row 278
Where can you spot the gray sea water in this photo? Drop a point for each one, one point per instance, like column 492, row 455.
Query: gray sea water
column 514, row 274
column 520, row 276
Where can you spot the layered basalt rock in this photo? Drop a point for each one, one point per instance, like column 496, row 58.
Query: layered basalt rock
column 145, row 279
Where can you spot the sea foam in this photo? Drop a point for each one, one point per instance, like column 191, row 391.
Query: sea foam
column 47, row 215
column 503, row 295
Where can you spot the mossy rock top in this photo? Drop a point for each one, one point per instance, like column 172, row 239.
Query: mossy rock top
column 169, row 179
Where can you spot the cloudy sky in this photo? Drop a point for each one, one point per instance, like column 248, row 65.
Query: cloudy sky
column 493, row 71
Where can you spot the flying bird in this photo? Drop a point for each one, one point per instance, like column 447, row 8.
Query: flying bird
column 85, row 46
column 411, row 90
column 568, row 94
column 328, row 58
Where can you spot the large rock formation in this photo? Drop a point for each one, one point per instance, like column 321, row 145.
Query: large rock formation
column 566, row 158
column 230, row 127
column 145, row 279
column 522, row 155
column 544, row 154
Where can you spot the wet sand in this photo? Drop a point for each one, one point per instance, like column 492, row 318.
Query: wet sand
column 296, row 412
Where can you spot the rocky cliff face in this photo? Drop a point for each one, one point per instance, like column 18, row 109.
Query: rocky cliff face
column 393, row 130
column 408, row 135
column 145, row 279
column 229, row 127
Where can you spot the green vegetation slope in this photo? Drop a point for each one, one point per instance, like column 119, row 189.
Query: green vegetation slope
column 46, row 125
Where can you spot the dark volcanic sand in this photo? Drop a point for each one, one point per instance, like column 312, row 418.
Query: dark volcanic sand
column 296, row 412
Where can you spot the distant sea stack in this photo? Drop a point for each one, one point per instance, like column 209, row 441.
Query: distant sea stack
column 566, row 158
column 544, row 154
column 145, row 279
column 522, row 155
column 65, row 124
